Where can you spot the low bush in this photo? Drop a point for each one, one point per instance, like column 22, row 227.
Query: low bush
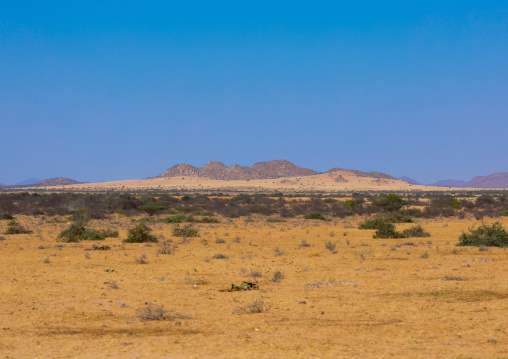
column 374, row 223
column 177, row 218
column 493, row 235
column 186, row 231
column 78, row 232
column 416, row 231
column 167, row 247
column 140, row 234
column 315, row 215
column 156, row 312
column 387, row 230
column 13, row 227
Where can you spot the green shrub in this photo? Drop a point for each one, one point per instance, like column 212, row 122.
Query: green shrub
column 78, row 232
column 208, row 220
column 203, row 213
column 387, row 230
column 493, row 235
column 140, row 234
column 15, row 228
column 315, row 215
column 177, row 218
column 416, row 231
column 503, row 212
column 187, row 231
column 7, row 216
column 390, row 202
column 374, row 223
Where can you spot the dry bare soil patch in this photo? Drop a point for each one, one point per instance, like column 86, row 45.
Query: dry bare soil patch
column 411, row 297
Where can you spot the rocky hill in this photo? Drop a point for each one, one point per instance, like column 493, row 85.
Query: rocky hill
column 57, row 181
column 219, row 171
column 495, row 180
column 371, row 174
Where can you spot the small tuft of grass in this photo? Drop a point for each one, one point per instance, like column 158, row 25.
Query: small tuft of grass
column 152, row 312
column 277, row 276
column 141, row 259
column 166, row 247
column 304, row 243
column 424, row 255
column 278, row 252
column 331, row 246
column 219, row 256
column 416, row 231
column 257, row 306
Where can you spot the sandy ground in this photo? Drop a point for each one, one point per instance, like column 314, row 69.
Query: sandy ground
column 374, row 298
column 326, row 182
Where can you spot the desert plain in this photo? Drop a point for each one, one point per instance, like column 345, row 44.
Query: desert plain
column 367, row 298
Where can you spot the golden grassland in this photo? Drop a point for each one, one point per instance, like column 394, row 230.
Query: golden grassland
column 325, row 182
column 374, row 298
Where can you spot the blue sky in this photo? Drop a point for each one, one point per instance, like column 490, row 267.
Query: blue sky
column 109, row 90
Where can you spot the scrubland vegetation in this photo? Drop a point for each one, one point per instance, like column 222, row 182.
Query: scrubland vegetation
column 367, row 275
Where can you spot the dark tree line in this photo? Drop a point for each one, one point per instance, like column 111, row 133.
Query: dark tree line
column 97, row 206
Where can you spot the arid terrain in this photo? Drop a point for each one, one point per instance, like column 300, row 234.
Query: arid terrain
column 335, row 182
column 363, row 298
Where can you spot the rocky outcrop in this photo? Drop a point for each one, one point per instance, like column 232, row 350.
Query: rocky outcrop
column 259, row 170
column 57, row 181
column 372, row 174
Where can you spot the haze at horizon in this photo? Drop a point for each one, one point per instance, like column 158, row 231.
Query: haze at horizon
column 118, row 90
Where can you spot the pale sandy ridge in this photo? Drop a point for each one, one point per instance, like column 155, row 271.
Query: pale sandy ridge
column 338, row 181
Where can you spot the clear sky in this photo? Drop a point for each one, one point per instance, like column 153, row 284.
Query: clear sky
column 109, row 90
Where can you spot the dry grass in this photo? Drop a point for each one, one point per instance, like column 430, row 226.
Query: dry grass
column 365, row 301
